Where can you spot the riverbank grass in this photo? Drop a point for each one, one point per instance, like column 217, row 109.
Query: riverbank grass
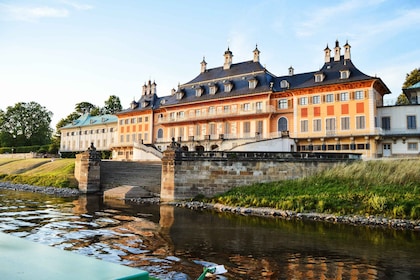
column 389, row 188
column 39, row 172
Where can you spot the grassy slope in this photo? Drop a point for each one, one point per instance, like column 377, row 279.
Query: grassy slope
column 388, row 187
column 39, row 172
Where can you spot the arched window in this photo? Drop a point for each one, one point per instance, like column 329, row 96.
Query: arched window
column 282, row 124
column 160, row 133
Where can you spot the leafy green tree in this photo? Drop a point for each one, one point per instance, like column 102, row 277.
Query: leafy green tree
column 84, row 107
column 402, row 100
column 25, row 124
column 112, row 105
column 412, row 78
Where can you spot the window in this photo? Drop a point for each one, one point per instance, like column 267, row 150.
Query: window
column 253, row 83
column 316, row 99
column 259, row 127
column 359, row 95
column 303, row 101
column 181, row 114
column 386, row 123
column 412, row 146
column 247, row 127
column 133, row 120
column 330, row 125
column 213, row 89
column 329, row 98
column 197, row 112
column 344, row 74
column 172, row 116
column 199, row 91
column 282, row 124
column 304, row 126
column 197, row 130
column 282, row 104
column 226, row 109
column 212, row 128
column 319, row 78
column 146, row 119
column 345, row 123
column 228, row 87
column 246, row 107
column 160, row 133
column 360, row 122
column 344, row 96
column 212, row 110
column 411, row 122
column 317, row 125
column 284, row 84
column 259, row 106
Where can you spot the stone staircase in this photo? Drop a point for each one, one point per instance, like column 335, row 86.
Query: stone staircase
column 127, row 173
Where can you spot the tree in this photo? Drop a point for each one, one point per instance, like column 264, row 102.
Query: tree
column 402, row 100
column 112, row 105
column 84, row 107
column 412, row 78
column 25, row 124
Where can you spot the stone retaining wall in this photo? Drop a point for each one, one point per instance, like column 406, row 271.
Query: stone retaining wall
column 186, row 175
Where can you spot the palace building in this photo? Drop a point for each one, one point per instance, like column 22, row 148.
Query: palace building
column 243, row 107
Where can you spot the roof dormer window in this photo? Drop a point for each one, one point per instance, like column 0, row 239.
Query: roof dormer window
column 145, row 104
column 345, row 74
column 228, row 86
column 319, row 77
column 213, row 89
column 252, row 83
column 179, row 94
column 284, row 84
column 199, row 91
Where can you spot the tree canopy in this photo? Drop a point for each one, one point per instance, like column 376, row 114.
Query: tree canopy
column 411, row 78
column 25, row 124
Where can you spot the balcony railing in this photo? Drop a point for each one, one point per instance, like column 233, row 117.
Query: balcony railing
column 216, row 114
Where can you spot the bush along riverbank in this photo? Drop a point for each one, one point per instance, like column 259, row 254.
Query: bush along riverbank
column 377, row 193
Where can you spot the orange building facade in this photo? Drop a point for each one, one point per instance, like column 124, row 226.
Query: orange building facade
column 244, row 107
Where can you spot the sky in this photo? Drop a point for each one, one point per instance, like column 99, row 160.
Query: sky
column 62, row 52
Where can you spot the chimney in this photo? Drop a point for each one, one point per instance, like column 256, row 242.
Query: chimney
column 228, row 59
column 153, row 88
column 327, row 54
column 291, row 71
column 347, row 51
column 144, row 89
column 256, row 54
column 203, row 65
column 337, row 51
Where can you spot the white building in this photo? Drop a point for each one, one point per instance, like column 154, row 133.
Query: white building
column 400, row 131
column 99, row 130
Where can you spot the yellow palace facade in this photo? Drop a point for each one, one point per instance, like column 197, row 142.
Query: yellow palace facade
column 244, row 107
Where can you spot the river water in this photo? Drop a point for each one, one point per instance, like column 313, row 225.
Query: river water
column 176, row 243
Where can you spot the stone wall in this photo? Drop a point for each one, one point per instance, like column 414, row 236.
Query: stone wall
column 185, row 176
column 132, row 173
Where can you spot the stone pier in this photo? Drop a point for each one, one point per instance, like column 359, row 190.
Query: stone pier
column 87, row 170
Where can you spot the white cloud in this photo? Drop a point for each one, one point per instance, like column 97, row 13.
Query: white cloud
column 319, row 19
column 21, row 13
column 77, row 6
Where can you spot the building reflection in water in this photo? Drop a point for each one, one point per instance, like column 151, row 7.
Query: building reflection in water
column 166, row 238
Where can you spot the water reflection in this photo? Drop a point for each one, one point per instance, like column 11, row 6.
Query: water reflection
column 175, row 243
